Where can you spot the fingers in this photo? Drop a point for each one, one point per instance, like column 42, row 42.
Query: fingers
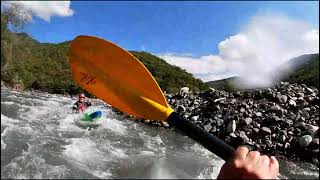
column 253, row 157
column 264, row 161
column 241, row 153
column 274, row 165
column 250, row 164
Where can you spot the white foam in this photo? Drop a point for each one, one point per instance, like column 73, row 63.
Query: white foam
column 8, row 121
column 147, row 153
column 213, row 170
column 102, row 174
column 7, row 103
column 202, row 151
column 29, row 161
column 68, row 123
column 153, row 143
column 12, row 97
column 296, row 170
column 159, row 170
column 3, row 134
column 83, row 151
column 113, row 124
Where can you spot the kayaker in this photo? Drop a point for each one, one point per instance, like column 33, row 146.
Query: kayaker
column 81, row 105
column 247, row 164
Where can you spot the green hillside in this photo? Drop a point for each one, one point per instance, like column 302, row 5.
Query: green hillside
column 224, row 84
column 44, row 66
column 307, row 73
column 302, row 69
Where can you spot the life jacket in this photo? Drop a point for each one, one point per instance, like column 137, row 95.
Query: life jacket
column 82, row 106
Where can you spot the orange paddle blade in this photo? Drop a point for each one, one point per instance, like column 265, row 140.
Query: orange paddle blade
column 117, row 77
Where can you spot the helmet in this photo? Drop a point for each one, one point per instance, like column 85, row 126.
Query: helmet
column 81, row 95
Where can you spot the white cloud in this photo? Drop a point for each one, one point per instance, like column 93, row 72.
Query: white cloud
column 206, row 67
column 44, row 9
column 265, row 43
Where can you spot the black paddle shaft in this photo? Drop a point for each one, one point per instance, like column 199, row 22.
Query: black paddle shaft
column 207, row 140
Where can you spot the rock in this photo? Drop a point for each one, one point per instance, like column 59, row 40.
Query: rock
column 282, row 98
column 277, row 109
column 301, row 101
column 245, row 105
column 165, row 124
column 316, row 161
column 286, row 145
column 258, row 114
column 220, row 99
column 282, row 138
column 300, row 124
column 146, row 121
column 289, row 122
column 274, row 119
column 266, row 130
column 2, row 84
column 309, row 90
column 219, row 122
column 298, row 115
column 184, row 90
column 284, row 132
column 244, row 136
column 307, row 109
column 292, row 103
column 300, row 95
column 247, row 120
column 231, row 126
column 279, row 145
column 226, row 116
column 212, row 89
column 315, row 141
column 312, row 129
column 256, row 130
column 294, row 98
column 227, row 139
column 233, row 135
column 257, row 146
column 269, row 143
column 194, row 118
column 181, row 108
column 293, row 116
column 255, row 124
column 214, row 129
column 305, row 140
column 208, row 127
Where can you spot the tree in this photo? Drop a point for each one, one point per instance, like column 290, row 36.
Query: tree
column 14, row 16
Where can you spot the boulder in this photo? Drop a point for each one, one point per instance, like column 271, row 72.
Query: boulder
column 305, row 140
column 231, row 126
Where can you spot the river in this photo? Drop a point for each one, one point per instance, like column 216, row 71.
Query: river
column 40, row 138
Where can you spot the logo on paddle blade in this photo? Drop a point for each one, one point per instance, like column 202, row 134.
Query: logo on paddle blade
column 86, row 78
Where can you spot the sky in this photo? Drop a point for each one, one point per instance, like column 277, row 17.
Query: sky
column 211, row 40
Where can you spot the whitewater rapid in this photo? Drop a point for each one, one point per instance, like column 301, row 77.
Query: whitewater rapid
column 40, row 138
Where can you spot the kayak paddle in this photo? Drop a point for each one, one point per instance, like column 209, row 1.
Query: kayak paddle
column 118, row 78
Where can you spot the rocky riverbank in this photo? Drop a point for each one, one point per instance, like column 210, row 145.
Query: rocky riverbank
column 283, row 120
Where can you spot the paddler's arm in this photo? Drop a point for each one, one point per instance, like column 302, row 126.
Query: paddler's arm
column 247, row 164
column 75, row 108
column 89, row 103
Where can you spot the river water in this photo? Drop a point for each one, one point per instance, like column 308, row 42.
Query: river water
column 40, row 138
